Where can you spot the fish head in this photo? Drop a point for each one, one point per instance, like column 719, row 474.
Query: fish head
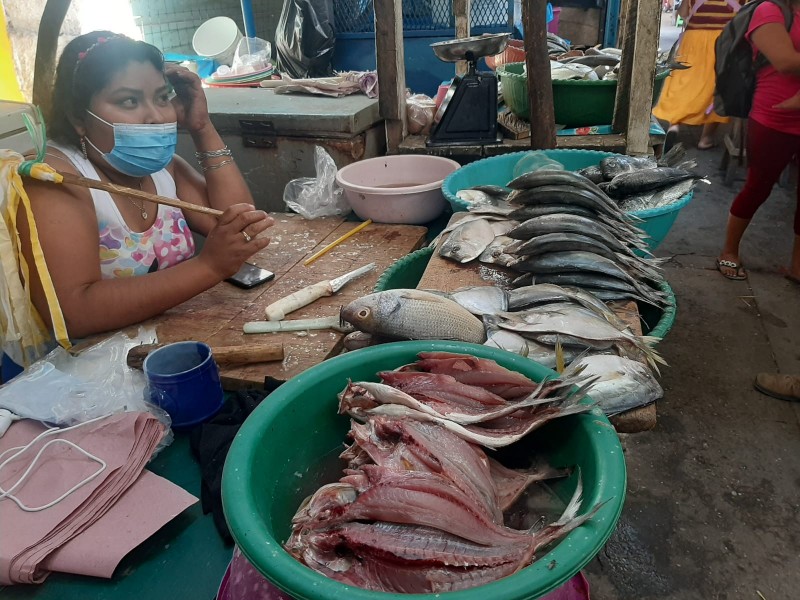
column 360, row 313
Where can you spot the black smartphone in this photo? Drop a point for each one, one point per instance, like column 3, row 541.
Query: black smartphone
column 250, row 275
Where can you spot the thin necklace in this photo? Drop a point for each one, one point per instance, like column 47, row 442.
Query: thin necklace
column 139, row 206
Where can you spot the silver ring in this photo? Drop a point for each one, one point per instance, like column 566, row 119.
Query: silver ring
column 246, row 235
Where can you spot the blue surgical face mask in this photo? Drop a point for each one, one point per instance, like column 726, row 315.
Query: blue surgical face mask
column 140, row 149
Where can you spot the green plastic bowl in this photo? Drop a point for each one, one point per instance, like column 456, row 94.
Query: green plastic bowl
column 499, row 170
column 576, row 103
column 407, row 273
column 288, row 448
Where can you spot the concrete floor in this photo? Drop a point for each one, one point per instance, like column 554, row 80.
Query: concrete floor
column 714, row 490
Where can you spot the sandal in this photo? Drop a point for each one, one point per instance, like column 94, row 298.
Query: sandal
column 740, row 273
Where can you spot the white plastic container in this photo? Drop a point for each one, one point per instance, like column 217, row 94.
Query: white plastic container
column 397, row 189
column 217, row 38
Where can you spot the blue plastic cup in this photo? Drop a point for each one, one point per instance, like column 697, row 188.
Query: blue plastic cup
column 183, row 379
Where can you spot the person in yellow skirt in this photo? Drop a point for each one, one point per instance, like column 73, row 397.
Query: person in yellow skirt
column 687, row 98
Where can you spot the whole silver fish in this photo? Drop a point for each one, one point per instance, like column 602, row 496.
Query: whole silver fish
column 576, row 224
column 593, row 174
column 495, row 253
column 623, row 384
column 593, row 60
column 468, row 241
column 576, row 260
column 411, row 314
column 658, row 198
column 550, row 177
column 638, row 182
column 603, row 286
column 523, row 213
column 481, row 299
column 548, row 294
column 559, row 242
column 612, row 166
column 567, row 194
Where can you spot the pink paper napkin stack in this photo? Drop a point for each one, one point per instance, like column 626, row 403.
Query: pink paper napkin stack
column 93, row 528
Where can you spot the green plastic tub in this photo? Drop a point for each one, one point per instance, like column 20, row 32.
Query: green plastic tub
column 288, row 448
column 407, row 273
column 576, row 103
column 499, row 170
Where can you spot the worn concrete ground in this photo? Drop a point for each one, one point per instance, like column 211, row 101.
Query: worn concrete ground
column 714, row 490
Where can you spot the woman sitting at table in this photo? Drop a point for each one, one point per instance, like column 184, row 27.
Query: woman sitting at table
column 114, row 260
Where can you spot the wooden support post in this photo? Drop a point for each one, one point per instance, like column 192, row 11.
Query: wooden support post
column 46, row 47
column 619, row 121
column 635, row 88
column 461, row 13
column 391, row 70
column 648, row 27
column 540, row 88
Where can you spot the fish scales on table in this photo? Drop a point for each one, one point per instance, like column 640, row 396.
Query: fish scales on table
column 411, row 314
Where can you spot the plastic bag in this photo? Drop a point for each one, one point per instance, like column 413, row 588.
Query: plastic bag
column 420, row 110
column 63, row 390
column 305, row 38
column 534, row 161
column 252, row 55
column 318, row 196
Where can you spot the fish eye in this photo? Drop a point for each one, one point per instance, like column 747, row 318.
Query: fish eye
column 363, row 313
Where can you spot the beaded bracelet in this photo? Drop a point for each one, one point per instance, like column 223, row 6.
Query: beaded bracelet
column 200, row 156
column 230, row 161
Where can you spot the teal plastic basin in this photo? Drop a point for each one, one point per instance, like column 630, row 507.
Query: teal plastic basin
column 498, row 170
column 407, row 273
column 288, row 448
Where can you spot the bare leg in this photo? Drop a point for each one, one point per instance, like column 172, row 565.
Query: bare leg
column 733, row 237
column 707, row 137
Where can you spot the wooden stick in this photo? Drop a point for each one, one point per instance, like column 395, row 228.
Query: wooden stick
column 335, row 243
column 70, row 179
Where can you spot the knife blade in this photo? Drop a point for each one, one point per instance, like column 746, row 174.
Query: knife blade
column 305, row 296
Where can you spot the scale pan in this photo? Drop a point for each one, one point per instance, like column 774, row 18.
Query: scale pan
column 480, row 45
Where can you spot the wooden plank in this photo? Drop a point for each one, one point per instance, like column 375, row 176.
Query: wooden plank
column 415, row 144
column 461, row 10
column 217, row 315
column 621, row 102
column 640, row 106
column 446, row 275
column 540, row 89
column 391, row 70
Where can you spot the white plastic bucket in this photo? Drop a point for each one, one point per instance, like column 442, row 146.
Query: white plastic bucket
column 217, row 38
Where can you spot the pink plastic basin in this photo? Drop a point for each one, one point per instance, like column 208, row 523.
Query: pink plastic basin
column 397, row 189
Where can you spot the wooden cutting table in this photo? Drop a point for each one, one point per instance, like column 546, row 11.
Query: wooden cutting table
column 217, row 315
column 446, row 275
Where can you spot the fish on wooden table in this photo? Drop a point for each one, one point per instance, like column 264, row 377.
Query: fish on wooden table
column 467, row 241
column 604, row 287
column 623, row 384
column 481, row 299
column 410, row 314
column 495, row 253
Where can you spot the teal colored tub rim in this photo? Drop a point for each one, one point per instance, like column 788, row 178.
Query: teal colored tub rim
column 660, row 330
column 255, row 540
column 504, row 72
column 460, row 205
column 456, row 202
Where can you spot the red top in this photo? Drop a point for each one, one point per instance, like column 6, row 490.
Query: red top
column 773, row 87
column 712, row 14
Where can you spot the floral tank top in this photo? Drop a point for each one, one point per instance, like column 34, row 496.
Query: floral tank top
column 125, row 253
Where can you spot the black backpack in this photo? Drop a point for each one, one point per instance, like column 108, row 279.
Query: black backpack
column 735, row 66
